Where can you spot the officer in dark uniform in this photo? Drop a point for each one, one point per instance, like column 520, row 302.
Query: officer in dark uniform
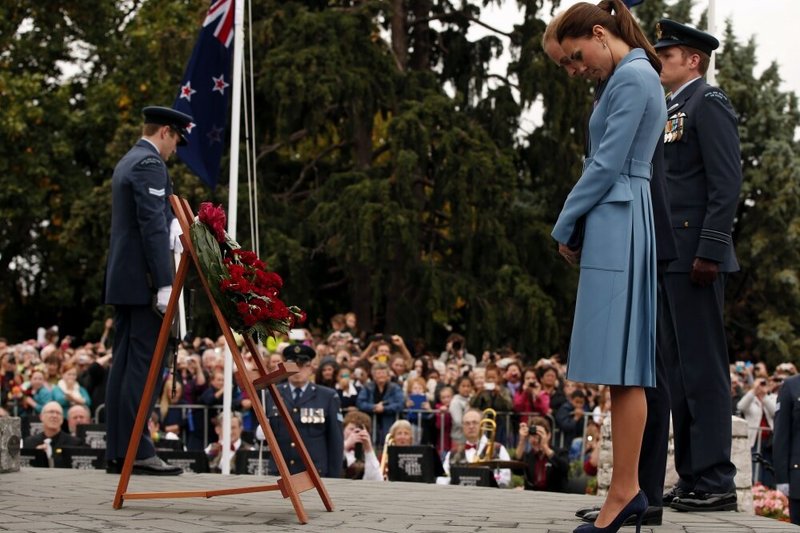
column 139, row 276
column 786, row 444
column 704, row 177
column 315, row 411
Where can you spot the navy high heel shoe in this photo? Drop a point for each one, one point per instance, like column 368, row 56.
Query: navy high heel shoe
column 636, row 507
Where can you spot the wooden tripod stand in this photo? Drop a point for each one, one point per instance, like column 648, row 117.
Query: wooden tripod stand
column 290, row 485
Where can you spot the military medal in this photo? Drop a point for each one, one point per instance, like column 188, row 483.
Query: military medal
column 673, row 131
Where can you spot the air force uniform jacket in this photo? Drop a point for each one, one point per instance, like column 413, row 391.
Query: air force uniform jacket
column 139, row 256
column 786, row 440
column 317, row 417
column 704, row 175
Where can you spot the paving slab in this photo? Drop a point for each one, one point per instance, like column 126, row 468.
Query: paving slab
column 79, row 501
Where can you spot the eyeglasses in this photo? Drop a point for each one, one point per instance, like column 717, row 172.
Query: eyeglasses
column 52, row 413
column 344, row 375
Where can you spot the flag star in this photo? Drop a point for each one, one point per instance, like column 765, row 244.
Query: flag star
column 187, row 91
column 215, row 135
column 220, row 84
column 190, row 127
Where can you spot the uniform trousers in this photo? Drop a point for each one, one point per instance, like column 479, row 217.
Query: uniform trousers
column 136, row 329
column 699, row 380
column 655, row 441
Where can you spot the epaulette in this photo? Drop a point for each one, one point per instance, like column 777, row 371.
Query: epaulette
column 150, row 161
column 716, row 94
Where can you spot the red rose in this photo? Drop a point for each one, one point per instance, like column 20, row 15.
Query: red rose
column 214, row 218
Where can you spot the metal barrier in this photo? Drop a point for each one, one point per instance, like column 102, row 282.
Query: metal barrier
column 507, row 419
column 184, row 407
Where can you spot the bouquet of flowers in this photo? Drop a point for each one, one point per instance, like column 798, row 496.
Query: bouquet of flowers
column 246, row 292
column 770, row 503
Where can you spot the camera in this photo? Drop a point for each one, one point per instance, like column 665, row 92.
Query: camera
column 456, row 345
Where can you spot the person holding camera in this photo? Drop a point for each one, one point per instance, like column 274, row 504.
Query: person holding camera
column 381, row 398
column 359, row 455
column 456, row 351
column 545, row 468
column 530, row 397
column 494, row 395
column 758, row 409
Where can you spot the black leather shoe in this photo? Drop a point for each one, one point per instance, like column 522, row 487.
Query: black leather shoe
column 113, row 466
column 652, row 517
column 583, row 511
column 155, row 466
column 705, row 502
column 674, row 492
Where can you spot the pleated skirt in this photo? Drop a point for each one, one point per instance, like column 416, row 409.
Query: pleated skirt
column 614, row 330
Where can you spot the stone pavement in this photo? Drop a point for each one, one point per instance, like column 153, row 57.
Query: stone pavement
column 56, row 500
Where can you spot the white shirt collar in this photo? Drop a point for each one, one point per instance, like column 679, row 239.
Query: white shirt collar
column 152, row 144
column 682, row 87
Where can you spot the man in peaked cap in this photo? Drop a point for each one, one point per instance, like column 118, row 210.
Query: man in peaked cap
column 139, row 272
column 704, row 177
column 315, row 411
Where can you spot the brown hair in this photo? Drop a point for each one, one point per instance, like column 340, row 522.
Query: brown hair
column 150, row 129
column 540, row 421
column 551, row 29
column 579, row 20
column 357, row 418
column 705, row 59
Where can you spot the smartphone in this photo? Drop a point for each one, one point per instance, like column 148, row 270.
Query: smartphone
column 358, row 450
column 489, row 385
column 297, row 335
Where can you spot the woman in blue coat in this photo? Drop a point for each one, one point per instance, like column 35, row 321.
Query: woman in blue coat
column 613, row 335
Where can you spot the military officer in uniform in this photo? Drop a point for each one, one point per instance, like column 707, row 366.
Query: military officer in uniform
column 704, row 177
column 139, row 277
column 786, row 445
column 315, row 412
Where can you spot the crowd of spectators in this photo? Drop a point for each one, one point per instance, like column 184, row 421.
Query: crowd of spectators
column 542, row 419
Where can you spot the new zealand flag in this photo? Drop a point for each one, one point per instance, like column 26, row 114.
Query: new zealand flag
column 204, row 92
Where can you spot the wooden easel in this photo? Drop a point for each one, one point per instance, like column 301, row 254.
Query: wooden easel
column 290, row 485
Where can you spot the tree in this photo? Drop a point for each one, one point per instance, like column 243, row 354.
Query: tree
column 764, row 298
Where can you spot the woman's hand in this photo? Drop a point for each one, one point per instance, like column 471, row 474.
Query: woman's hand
column 570, row 256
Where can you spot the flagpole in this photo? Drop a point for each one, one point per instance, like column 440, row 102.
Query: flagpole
column 711, row 15
column 233, row 197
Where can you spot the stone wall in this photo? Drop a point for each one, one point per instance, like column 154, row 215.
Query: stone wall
column 740, row 455
column 10, row 434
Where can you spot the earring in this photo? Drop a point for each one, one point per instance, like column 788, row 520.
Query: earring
column 604, row 45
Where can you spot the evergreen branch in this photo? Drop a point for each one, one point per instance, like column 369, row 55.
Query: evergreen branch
column 312, row 164
column 458, row 17
column 294, row 137
column 377, row 153
column 504, row 79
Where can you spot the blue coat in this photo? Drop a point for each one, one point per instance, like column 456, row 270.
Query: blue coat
column 393, row 403
column 139, row 258
column 613, row 335
column 318, row 419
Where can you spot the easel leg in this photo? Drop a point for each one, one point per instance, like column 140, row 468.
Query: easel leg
column 152, row 376
column 298, row 442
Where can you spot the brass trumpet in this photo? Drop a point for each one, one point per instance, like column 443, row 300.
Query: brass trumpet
column 389, row 441
column 488, row 426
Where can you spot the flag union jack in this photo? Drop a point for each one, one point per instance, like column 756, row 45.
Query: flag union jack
column 202, row 92
column 221, row 12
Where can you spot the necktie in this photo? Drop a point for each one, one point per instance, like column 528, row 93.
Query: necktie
column 297, row 392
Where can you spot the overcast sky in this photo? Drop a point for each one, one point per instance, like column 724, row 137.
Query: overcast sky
column 774, row 23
